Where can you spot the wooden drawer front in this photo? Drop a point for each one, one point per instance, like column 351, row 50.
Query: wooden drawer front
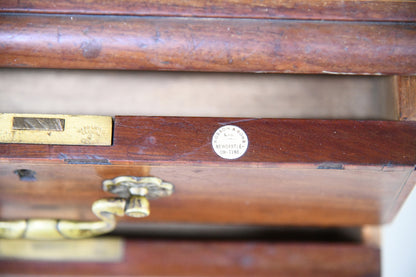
column 295, row 172
column 215, row 258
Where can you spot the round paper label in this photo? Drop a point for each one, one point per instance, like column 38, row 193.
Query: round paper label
column 230, row 142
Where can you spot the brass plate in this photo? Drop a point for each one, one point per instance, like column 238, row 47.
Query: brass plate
column 55, row 129
column 87, row 250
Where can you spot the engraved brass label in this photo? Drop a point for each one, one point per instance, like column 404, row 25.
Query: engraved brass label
column 56, row 129
column 36, row 123
column 85, row 250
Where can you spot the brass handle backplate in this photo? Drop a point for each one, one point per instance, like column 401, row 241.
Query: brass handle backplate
column 133, row 193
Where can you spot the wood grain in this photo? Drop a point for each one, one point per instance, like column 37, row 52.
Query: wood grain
column 301, row 196
column 213, row 258
column 295, row 172
column 399, row 198
column 282, row 9
column 206, row 44
column 187, row 140
column 405, row 91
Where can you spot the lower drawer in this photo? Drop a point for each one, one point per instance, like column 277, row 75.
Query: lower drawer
column 179, row 257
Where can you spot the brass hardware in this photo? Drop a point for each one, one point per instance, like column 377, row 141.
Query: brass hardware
column 133, row 192
column 151, row 187
column 106, row 249
column 56, row 129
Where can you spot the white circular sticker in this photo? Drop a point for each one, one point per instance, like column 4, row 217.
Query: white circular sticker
column 230, row 142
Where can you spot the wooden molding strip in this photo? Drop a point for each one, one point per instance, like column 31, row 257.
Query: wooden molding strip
column 363, row 10
column 173, row 140
column 206, row 44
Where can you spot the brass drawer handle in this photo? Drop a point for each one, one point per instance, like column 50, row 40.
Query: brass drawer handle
column 134, row 193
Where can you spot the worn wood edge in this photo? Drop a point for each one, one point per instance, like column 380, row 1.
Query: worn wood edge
column 400, row 11
column 205, row 165
column 405, row 96
column 213, row 45
column 215, row 258
column 408, row 185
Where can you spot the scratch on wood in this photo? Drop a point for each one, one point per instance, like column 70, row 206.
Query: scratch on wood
column 87, row 161
column 83, row 159
column 191, row 152
column 238, row 121
column 58, row 34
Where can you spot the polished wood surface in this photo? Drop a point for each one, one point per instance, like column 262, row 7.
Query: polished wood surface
column 301, row 195
column 405, row 90
column 216, row 258
column 396, row 10
column 295, row 172
column 187, row 140
column 206, row 44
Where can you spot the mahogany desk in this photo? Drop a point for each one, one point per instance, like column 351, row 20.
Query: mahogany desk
column 304, row 176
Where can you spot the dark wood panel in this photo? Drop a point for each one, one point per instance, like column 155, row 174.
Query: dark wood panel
column 187, row 140
column 182, row 258
column 287, row 9
column 206, row 44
